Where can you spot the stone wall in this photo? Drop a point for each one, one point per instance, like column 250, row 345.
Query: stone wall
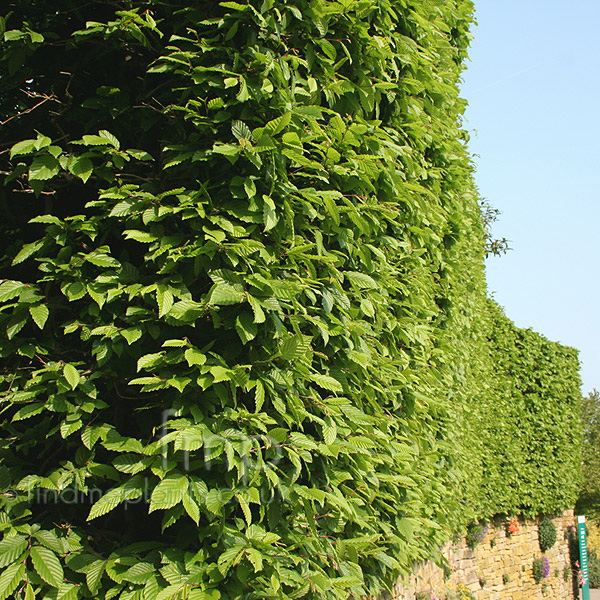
column 498, row 568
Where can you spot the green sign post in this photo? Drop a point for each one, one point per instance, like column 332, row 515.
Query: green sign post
column 583, row 557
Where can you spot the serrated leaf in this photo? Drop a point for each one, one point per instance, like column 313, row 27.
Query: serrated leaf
column 169, row 593
column 151, row 588
column 131, row 463
column 191, row 508
column 93, row 576
column 361, row 280
column 246, row 327
column 225, row 294
column 278, row 124
column 139, row 236
column 29, row 411
column 104, row 138
column 39, row 314
column 168, row 492
column 329, row 430
column 245, row 509
column 69, row 427
column 102, row 260
column 43, row 167
column 26, row 251
column 121, row 209
column 130, row 490
column 71, row 375
column 193, row 356
column 29, row 594
column 131, row 335
column 140, row 572
column 50, row 540
column 23, row 147
column 81, row 167
column 255, row 558
column 327, row 382
column 10, row 579
column 110, row 137
column 258, row 312
column 11, row 548
column 47, row 565
column 164, row 299
column 149, row 360
column 229, row 558
column 259, row 396
column 241, row 131
column 294, row 347
column 10, row 289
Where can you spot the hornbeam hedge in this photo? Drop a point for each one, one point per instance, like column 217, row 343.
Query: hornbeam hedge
column 247, row 351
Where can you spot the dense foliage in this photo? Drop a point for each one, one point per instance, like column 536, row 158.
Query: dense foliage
column 594, row 569
column 588, row 502
column 247, row 351
column 546, row 533
column 528, row 423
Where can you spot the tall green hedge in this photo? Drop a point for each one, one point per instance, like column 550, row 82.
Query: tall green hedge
column 247, row 348
column 529, row 422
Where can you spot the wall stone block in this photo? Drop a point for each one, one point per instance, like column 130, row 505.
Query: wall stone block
column 499, row 568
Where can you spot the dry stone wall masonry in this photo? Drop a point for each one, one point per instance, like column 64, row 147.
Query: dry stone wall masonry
column 499, row 568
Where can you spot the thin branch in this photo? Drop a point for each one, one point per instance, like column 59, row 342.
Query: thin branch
column 20, row 114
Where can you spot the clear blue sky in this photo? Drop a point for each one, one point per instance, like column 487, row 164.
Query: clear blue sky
column 533, row 87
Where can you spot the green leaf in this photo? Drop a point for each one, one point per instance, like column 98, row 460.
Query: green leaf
column 39, row 313
column 255, row 558
column 149, row 360
column 101, row 260
column 259, row 396
column 130, row 490
column 104, row 138
column 110, row 137
column 139, row 236
column 23, row 147
column 164, row 299
column 229, row 558
column 71, row 375
column 81, row 167
column 11, row 548
column 131, row 463
column 193, row 356
column 47, row 565
column 170, row 593
column 43, row 167
column 329, row 430
column 94, row 574
column 225, row 294
column 191, row 508
column 329, row 383
column 361, row 280
column 10, row 579
column 29, row 594
column 246, row 327
column 278, row 124
column 241, row 131
column 132, row 335
column 140, row 572
column 169, row 492
column 294, row 347
column 26, row 251
column 10, row 289
column 50, row 540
